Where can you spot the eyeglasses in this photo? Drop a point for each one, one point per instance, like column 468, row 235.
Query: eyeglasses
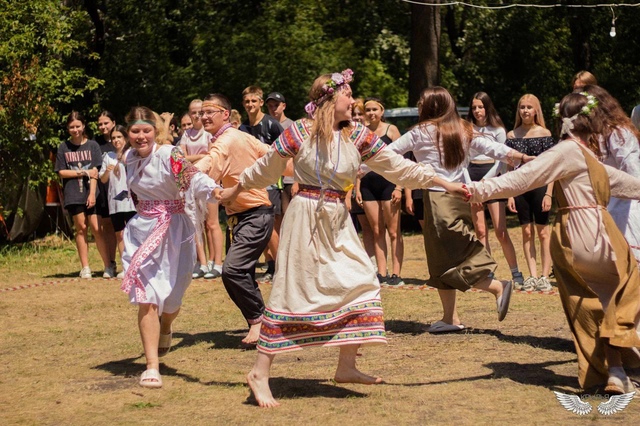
column 209, row 113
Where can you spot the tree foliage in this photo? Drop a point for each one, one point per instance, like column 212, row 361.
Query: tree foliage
column 39, row 80
column 111, row 54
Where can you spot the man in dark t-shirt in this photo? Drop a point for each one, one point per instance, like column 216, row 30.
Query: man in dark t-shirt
column 262, row 126
column 266, row 129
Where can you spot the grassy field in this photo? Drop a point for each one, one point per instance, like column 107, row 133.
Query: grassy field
column 70, row 354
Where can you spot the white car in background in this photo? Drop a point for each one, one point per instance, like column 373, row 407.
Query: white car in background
column 404, row 118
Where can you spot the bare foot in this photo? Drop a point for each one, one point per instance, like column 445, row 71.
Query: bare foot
column 344, row 375
column 253, row 336
column 261, row 391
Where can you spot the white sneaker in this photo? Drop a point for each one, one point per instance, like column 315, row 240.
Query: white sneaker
column 529, row 284
column 85, row 272
column 120, row 275
column 543, row 284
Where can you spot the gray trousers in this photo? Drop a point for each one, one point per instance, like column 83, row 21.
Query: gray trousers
column 250, row 234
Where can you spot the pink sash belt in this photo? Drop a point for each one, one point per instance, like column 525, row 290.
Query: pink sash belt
column 154, row 209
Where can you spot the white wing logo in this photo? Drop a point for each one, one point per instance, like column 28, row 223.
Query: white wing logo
column 615, row 404
column 574, row 404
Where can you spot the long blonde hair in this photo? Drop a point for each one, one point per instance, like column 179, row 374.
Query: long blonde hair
column 538, row 119
column 324, row 118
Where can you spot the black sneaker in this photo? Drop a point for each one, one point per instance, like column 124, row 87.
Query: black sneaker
column 383, row 280
column 395, row 281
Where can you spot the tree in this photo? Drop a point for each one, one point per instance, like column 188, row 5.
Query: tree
column 38, row 82
column 424, row 66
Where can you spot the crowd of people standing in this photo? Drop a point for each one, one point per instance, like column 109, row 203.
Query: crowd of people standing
column 136, row 191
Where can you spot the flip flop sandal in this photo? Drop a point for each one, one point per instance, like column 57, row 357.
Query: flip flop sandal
column 151, row 379
column 502, row 303
column 441, row 327
column 164, row 344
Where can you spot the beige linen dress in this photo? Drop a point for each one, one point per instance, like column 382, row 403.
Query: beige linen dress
column 596, row 271
column 324, row 289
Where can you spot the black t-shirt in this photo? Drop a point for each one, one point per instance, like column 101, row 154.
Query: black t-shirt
column 104, row 145
column 77, row 157
column 266, row 131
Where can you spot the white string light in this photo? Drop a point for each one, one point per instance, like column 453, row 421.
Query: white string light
column 508, row 6
column 612, row 32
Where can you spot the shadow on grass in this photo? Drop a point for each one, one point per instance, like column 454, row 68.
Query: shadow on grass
column 286, row 388
column 536, row 374
column 415, row 328
column 557, row 344
column 282, row 387
column 129, row 367
column 414, row 281
column 66, row 275
column 228, row 339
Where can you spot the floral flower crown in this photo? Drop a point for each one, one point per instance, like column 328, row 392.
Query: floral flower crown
column 567, row 122
column 592, row 103
column 336, row 81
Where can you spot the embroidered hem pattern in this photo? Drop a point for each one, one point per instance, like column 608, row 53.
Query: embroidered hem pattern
column 362, row 323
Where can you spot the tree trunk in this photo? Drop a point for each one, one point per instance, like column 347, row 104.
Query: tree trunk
column 424, row 65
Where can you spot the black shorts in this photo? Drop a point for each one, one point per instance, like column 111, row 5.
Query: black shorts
column 418, row 203
column 477, row 172
column 76, row 209
column 276, row 200
column 102, row 201
column 529, row 206
column 119, row 220
column 374, row 187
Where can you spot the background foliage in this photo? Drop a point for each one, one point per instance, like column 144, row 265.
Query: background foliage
column 56, row 56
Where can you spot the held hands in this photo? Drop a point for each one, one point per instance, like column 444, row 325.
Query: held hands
column 457, row 189
column 227, row 195
column 527, row 158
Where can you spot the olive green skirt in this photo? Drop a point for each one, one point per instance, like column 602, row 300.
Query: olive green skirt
column 455, row 257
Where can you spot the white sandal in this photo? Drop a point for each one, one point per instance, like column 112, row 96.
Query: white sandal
column 151, row 379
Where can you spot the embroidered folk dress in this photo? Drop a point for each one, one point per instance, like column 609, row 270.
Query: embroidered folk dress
column 623, row 152
column 324, row 289
column 597, row 275
column 159, row 249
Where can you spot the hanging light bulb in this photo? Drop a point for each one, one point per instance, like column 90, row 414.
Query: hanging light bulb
column 612, row 31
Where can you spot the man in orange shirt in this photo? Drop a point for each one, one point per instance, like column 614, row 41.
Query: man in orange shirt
column 250, row 214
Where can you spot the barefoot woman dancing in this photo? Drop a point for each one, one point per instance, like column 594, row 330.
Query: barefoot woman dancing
column 324, row 289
